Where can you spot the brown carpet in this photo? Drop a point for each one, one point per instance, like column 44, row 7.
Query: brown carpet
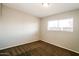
column 38, row 48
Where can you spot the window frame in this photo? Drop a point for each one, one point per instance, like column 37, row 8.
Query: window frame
column 63, row 29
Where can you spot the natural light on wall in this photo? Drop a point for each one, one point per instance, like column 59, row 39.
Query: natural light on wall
column 61, row 25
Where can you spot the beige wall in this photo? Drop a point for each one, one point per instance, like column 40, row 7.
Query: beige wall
column 0, row 10
column 17, row 28
column 68, row 40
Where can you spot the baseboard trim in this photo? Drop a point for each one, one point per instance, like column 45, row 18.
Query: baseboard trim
column 62, row 47
column 18, row 45
column 48, row 43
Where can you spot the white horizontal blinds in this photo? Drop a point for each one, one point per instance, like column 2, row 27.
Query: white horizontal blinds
column 66, row 24
column 52, row 25
column 61, row 25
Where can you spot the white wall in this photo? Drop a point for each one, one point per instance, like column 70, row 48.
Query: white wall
column 17, row 28
column 0, row 9
column 68, row 40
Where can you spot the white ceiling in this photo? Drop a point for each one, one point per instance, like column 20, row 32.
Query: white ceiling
column 38, row 10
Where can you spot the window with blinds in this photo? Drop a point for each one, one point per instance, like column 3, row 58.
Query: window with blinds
column 61, row 25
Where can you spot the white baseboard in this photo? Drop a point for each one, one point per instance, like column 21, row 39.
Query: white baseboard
column 62, row 47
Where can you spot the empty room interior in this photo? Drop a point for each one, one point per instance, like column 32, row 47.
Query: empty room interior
column 39, row 29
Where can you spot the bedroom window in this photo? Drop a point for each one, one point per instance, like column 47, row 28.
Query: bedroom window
column 61, row 25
